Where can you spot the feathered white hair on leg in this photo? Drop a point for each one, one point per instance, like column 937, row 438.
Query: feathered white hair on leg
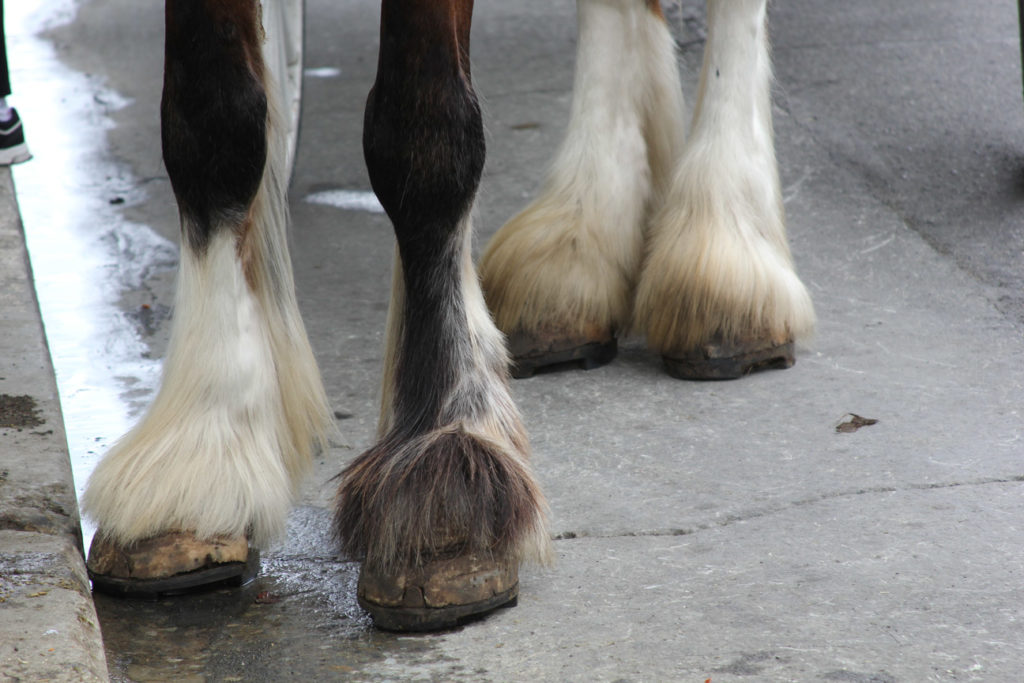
column 718, row 282
column 562, row 271
column 241, row 407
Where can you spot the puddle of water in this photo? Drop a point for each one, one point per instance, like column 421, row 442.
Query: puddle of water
column 84, row 254
column 299, row 620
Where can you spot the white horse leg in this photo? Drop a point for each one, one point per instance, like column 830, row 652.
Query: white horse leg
column 718, row 295
column 559, row 276
column 214, row 464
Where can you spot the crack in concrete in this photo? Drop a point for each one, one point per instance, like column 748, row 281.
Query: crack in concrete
column 930, row 41
column 754, row 514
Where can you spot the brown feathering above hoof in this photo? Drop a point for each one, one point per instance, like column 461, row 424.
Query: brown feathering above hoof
column 169, row 564
column 551, row 350
column 716, row 360
column 442, row 593
column 401, row 503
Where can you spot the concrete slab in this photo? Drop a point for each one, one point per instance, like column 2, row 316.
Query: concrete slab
column 48, row 625
column 49, row 630
column 35, row 487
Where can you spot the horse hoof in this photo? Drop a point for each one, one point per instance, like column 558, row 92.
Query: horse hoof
column 730, row 361
column 443, row 593
column 533, row 352
column 170, row 564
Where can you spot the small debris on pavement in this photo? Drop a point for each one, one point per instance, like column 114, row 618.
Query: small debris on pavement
column 267, row 598
column 854, row 423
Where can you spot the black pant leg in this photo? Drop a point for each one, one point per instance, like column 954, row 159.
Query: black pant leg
column 5, row 79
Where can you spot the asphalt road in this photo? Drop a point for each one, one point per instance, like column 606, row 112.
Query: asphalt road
column 721, row 531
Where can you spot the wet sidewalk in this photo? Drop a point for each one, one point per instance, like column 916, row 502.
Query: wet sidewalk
column 731, row 531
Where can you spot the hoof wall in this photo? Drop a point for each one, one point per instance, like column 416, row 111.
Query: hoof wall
column 530, row 354
column 442, row 594
column 170, row 564
column 730, row 361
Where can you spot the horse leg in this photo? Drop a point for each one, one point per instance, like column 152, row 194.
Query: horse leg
column 444, row 507
column 718, row 296
column 559, row 276
column 214, row 464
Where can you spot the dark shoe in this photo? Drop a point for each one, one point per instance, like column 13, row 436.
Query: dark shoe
column 13, row 149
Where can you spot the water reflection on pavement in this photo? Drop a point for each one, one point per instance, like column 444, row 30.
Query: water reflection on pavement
column 255, row 633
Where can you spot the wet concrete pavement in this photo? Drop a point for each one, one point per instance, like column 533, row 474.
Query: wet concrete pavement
column 724, row 530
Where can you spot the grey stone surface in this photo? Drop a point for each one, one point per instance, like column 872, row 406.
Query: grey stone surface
column 724, row 530
column 48, row 630
column 35, row 480
column 48, row 625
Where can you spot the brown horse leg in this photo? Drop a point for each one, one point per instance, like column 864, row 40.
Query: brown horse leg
column 443, row 508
